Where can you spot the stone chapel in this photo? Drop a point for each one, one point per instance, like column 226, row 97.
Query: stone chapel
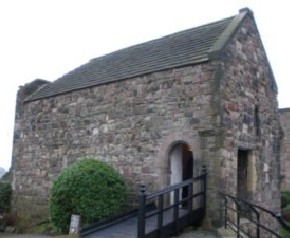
column 202, row 96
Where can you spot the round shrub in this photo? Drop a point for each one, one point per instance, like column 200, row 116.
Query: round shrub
column 89, row 188
column 5, row 196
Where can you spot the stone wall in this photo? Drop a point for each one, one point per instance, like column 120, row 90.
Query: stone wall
column 250, row 122
column 31, row 204
column 131, row 124
column 23, row 93
column 285, row 148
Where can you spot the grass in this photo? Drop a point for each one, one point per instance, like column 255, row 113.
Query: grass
column 66, row 236
column 285, row 234
column 48, row 228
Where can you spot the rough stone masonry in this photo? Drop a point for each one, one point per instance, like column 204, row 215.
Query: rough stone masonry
column 222, row 107
column 285, row 148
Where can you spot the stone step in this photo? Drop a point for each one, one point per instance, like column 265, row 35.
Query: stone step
column 229, row 233
column 226, row 233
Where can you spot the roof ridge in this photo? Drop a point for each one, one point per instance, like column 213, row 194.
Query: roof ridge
column 167, row 36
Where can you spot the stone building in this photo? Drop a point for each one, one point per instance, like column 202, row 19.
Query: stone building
column 285, row 148
column 205, row 95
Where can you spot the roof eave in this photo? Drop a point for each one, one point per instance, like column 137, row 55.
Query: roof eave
column 195, row 61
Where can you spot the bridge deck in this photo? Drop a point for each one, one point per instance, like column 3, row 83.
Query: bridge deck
column 128, row 227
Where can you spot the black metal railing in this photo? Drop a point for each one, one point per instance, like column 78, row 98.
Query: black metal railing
column 236, row 209
column 177, row 206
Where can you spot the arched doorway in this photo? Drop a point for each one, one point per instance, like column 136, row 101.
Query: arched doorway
column 181, row 165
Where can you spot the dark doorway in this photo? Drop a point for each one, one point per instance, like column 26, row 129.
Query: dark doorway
column 187, row 161
column 181, row 166
column 187, row 170
column 242, row 176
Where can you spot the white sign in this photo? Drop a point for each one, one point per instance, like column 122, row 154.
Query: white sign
column 74, row 224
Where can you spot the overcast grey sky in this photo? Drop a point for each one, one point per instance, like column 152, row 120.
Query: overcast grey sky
column 47, row 38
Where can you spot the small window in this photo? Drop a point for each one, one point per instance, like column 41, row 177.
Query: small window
column 257, row 121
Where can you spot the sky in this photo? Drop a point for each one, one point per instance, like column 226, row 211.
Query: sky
column 45, row 39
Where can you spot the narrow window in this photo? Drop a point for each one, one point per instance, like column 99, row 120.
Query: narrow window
column 257, row 121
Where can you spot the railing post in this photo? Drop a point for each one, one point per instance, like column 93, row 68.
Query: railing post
column 258, row 225
column 176, row 209
column 226, row 211
column 190, row 201
column 190, row 197
column 204, row 186
column 160, row 214
column 238, row 218
column 141, row 212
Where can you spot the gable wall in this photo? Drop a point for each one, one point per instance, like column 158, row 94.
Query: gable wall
column 250, row 118
column 285, row 149
column 129, row 124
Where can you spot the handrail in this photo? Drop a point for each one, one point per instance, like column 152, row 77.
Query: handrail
column 172, row 187
column 256, row 210
column 177, row 223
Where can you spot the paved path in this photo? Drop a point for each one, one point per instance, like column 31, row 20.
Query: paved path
column 187, row 234
column 127, row 228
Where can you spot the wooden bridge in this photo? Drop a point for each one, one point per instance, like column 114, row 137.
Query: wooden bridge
column 168, row 212
column 160, row 214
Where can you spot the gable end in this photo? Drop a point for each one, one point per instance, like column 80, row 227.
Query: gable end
column 228, row 33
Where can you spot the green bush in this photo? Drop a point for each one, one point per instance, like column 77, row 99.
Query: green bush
column 285, row 198
column 284, row 233
column 287, row 208
column 89, row 188
column 5, row 196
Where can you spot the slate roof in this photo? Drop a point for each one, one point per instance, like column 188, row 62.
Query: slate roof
column 183, row 48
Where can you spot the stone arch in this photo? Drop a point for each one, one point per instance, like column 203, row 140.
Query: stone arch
column 180, row 161
column 182, row 137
